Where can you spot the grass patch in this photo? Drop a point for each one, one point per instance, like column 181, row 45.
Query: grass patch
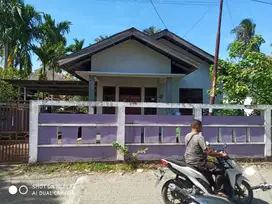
column 81, row 167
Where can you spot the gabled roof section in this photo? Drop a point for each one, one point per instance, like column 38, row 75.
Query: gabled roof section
column 172, row 37
column 129, row 34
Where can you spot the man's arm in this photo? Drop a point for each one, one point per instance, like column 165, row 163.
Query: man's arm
column 208, row 150
column 212, row 153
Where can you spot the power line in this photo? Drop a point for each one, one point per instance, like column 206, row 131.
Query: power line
column 183, row 3
column 262, row 2
column 231, row 19
column 158, row 13
column 196, row 23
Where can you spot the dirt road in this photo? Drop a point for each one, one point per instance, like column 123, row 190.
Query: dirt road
column 95, row 188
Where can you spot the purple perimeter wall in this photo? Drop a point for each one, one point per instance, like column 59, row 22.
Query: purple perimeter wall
column 143, row 137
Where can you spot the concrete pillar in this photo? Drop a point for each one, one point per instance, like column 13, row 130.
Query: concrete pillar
column 91, row 93
column 267, row 134
column 117, row 95
column 99, row 96
column 24, row 93
column 169, row 90
column 92, row 89
column 142, row 98
column 34, row 110
column 121, row 120
column 161, row 95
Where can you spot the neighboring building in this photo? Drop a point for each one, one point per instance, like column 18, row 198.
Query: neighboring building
column 132, row 66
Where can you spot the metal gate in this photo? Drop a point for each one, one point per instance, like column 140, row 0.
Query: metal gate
column 14, row 132
column 14, row 151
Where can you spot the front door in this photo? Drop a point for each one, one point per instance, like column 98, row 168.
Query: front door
column 130, row 94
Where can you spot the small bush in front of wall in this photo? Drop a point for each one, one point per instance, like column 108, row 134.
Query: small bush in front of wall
column 229, row 112
column 130, row 158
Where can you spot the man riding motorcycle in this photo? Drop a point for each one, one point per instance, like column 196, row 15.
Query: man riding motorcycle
column 197, row 153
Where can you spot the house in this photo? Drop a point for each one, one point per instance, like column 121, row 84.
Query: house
column 134, row 67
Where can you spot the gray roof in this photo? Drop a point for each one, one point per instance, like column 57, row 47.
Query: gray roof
column 172, row 37
column 72, row 62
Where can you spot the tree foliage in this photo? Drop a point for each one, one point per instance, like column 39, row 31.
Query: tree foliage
column 7, row 91
column 247, row 73
column 151, row 30
column 245, row 31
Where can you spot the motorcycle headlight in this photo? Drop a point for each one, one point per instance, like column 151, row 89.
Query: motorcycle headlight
column 249, row 171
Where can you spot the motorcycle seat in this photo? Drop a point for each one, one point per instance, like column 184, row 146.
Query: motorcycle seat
column 181, row 162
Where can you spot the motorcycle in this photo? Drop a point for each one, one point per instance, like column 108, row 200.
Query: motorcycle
column 190, row 186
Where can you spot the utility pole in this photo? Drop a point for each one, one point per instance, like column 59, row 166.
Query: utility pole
column 212, row 96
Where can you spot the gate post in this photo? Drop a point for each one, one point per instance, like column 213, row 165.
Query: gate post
column 267, row 132
column 197, row 112
column 33, row 131
column 121, row 120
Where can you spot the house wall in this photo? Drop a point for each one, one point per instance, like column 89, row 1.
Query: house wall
column 133, row 57
column 199, row 79
column 130, row 57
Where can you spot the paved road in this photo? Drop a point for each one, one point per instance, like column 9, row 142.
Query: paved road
column 95, row 188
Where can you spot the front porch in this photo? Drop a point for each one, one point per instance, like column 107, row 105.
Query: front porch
column 130, row 87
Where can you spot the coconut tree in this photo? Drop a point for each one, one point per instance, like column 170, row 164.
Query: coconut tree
column 26, row 34
column 52, row 43
column 245, row 31
column 151, row 30
column 100, row 38
column 45, row 53
column 52, row 32
column 76, row 46
column 10, row 19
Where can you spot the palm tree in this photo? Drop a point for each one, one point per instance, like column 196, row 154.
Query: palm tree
column 45, row 54
column 27, row 33
column 245, row 31
column 10, row 19
column 52, row 43
column 100, row 38
column 52, row 32
column 76, row 46
column 151, row 30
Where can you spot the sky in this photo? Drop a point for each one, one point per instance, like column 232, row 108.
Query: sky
column 91, row 18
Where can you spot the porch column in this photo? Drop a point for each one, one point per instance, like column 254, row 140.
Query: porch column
column 99, row 96
column 91, row 93
column 169, row 90
column 169, row 94
column 24, row 94
column 91, row 89
column 117, row 95
column 142, row 98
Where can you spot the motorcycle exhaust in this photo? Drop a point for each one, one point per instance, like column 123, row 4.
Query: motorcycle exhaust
column 182, row 193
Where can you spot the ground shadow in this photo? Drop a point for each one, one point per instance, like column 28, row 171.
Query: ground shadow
column 259, row 201
column 31, row 196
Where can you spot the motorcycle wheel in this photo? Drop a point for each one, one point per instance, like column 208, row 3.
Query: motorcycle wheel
column 238, row 192
column 165, row 192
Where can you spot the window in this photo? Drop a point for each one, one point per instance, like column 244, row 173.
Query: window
column 131, row 94
column 150, row 96
column 109, row 95
column 190, row 96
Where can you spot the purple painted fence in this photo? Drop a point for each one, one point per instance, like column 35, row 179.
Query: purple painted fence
column 75, row 135
column 73, row 154
column 154, row 138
